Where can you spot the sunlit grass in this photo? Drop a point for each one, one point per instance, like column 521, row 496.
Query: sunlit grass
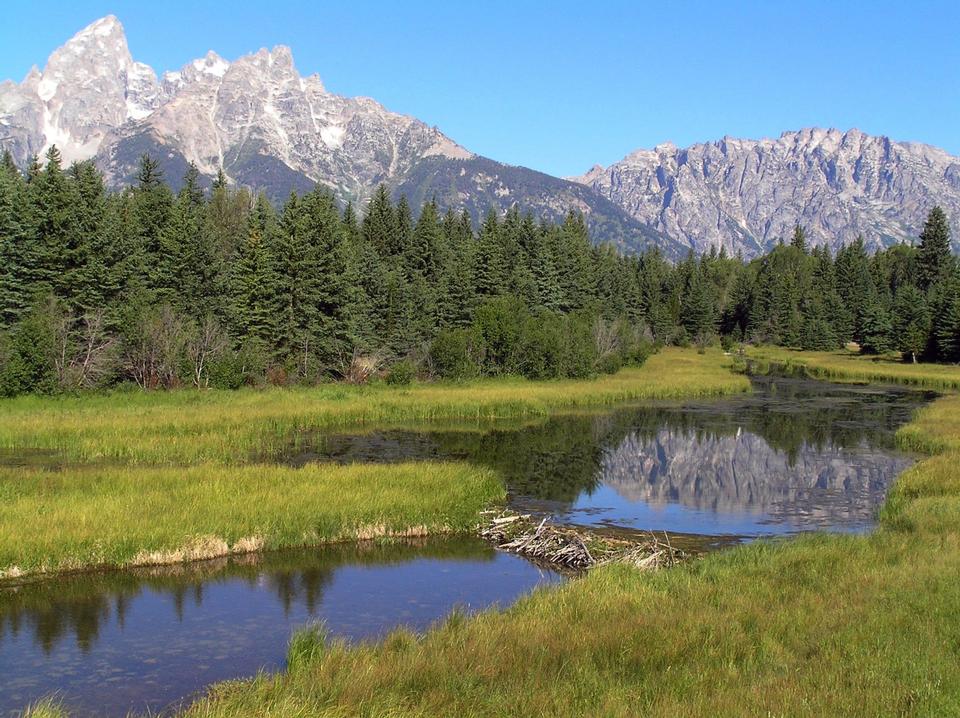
column 119, row 516
column 812, row 626
column 849, row 366
column 229, row 427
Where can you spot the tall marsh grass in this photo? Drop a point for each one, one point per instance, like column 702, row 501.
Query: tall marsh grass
column 812, row 626
column 119, row 516
column 229, row 427
column 847, row 366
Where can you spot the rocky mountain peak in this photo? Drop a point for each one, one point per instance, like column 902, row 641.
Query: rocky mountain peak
column 746, row 195
column 267, row 126
column 88, row 87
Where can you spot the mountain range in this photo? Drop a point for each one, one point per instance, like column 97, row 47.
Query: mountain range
column 269, row 128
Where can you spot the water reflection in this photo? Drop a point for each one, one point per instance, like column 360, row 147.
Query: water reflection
column 109, row 643
column 794, row 455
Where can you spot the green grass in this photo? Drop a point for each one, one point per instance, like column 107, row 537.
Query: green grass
column 849, row 366
column 52, row 521
column 822, row 625
column 185, row 427
column 165, row 477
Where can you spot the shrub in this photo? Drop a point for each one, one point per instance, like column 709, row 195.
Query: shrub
column 453, row 354
column 540, row 351
column 402, row 373
column 499, row 323
column 581, row 353
column 28, row 362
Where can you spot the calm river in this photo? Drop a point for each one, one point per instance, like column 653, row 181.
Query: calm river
column 795, row 455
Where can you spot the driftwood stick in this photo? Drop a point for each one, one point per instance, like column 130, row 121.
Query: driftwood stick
column 570, row 546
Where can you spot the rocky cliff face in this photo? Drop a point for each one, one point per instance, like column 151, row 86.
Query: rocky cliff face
column 89, row 87
column 269, row 128
column 748, row 194
column 93, row 100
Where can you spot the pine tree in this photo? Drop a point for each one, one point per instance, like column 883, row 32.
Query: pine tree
column 818, row 333
column 15, row 287
column 49, row 250
column 855, row 284
column 459, row 271
column 425, row 243
column 491, row 264
column 877, row 329
column 934, row 261
column 578, row 282
column 153, row 202
column 189, row 263
column 327, row 242
column 80, row 283
column 799, row 239
column 253, row 283
column 380, row 228
column 945, row 328
column 542, row 258
column 697, row 313
column 948, row 332
column 402, row 237
column 911, row 322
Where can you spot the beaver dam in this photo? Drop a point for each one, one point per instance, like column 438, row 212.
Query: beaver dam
column 575, row 548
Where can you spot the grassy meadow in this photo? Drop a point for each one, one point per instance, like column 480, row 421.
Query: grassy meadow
column 812, row 626
column 137, row 478
column 228, row 427
column 92, row 516
column 850, row 366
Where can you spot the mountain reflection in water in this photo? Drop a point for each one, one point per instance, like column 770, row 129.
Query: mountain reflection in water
column 795, row 455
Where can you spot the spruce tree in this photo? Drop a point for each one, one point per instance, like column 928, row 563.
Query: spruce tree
column 911, row 322
column 934, row 261
column 153, row 203
column 877, row 329
column 189, row 263
column 15, row 286
column 380, row 227
column 253, row 283
column 490, row 265
column 799, row 239
column 697, row 313
column 80, row 283
column 49, row 250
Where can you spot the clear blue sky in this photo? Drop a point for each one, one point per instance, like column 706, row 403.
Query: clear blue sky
column 559, row 86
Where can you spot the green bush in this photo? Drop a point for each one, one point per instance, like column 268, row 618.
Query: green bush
column 27, row 357
column 540, row 351
column 453, row 354
column 581, row 352
column 402, row 373
column 499, row 324
column 610, row 364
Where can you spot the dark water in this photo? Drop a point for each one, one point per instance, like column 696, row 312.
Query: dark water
column 795, row 455
column 109, row 643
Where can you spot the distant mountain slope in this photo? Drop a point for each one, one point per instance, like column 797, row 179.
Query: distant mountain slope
column 477, row 184
column 747, row 194
column 269, row 128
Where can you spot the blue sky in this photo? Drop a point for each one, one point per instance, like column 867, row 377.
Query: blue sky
column 559, row 86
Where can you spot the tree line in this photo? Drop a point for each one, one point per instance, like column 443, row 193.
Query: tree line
column 219, row 287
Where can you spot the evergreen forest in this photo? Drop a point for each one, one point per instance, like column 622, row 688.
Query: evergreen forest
column 158, row 289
